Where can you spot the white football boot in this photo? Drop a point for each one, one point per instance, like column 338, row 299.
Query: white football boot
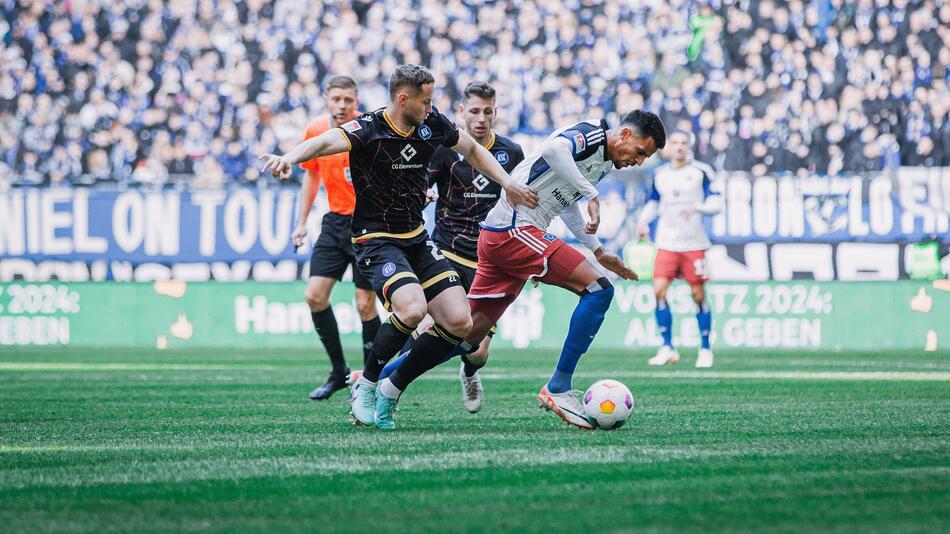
column 566, row 406
column 472, row 392
column 665, row 356
column 704, row 358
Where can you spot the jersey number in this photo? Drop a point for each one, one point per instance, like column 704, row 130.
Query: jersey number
column 699, row 266
column 436, row 253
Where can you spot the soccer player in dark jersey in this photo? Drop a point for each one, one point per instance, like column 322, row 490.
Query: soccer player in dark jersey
column 464, row 198
column 333, row 251
column 390, row 150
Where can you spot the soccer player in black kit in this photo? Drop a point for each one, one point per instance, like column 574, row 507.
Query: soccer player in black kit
column 390, row 150
column 465, row 197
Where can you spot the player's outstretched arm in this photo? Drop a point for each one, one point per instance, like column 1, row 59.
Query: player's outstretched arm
column 485, row 163
column 329, row 142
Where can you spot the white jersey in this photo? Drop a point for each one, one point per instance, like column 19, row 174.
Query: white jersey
column 675, row 190
column 556, row 193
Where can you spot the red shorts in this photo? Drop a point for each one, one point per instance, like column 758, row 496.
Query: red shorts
column 509, row 258
column 691, row 265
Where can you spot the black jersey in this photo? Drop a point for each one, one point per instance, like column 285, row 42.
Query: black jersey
column 466, row 196
column 389, row 168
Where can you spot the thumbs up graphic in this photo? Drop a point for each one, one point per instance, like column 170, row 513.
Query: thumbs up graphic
column 922, row 302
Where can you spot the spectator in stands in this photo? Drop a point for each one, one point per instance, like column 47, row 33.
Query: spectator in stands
column 762, row 84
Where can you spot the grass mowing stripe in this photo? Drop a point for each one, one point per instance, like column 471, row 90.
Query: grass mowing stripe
column 177, row 471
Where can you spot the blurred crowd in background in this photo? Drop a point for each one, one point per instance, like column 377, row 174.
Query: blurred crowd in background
column 149, row 91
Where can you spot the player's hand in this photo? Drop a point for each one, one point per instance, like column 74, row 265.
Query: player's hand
column 643, row 232
column 278, row 166
column 615, row 265
column 431, row 196
column 593, row 209
column 521, row 194
column 298, row 236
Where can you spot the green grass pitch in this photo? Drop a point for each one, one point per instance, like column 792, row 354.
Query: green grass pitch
column 109, row 440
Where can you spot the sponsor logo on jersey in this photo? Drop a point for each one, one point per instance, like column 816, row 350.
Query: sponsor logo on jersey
column 563, row 199
column 425, row 132
column 408, row 152
column 480, row 182
column 389, row 269
column 352, row 126
column 501, row 156
column 580, row 142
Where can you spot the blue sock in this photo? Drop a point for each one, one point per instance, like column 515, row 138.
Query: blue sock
column 393, row 364
column 585, row 322
column 664, row 321
column 704, row 318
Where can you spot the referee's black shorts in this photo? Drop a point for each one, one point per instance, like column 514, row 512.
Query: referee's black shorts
column 333, row 251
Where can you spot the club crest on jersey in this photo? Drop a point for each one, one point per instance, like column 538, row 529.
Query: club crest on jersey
column 502, row 157
column 425, row 132
column 550, row 237
column 352, row 126
column 580, row 142
column 389, row 269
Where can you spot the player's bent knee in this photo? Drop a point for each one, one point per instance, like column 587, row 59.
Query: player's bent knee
column 365, row 304
column 411, row 313
column 316, row 299
column 459, row 324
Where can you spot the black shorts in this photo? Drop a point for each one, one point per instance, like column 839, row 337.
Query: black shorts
column 333, row 251
column 465, row 270
column 392, row 263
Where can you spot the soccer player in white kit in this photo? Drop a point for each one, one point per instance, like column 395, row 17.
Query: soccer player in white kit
column 680, row 197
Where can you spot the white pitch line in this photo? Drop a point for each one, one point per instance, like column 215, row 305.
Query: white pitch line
column 878, row 376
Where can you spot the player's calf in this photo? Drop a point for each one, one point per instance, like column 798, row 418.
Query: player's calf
column 585, row 323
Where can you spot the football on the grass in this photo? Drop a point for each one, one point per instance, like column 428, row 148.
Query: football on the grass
column 608, row 404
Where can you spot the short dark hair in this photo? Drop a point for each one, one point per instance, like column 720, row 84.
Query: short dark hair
column 339, row 81
column 409, row 76
column 479, row 89
column 646, row 124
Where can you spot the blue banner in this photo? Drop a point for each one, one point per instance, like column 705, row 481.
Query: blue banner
column 139, row 226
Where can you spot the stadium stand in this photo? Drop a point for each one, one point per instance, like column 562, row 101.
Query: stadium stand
column 146, row 91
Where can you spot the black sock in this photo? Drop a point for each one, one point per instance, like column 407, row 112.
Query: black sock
column 325, row 323
column 370, row 328
column 428, row 351
column 391, row 335
column 407, row 346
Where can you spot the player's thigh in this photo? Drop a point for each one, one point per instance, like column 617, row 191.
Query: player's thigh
column 666, row 265
column 386, row 265
column 568, row 268
column 693, row 266
column 449, row 309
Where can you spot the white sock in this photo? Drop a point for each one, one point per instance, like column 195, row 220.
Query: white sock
column 387, row 389
column 362, row 381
